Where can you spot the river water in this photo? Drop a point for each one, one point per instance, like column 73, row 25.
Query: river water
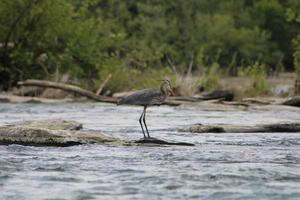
column 219, row 166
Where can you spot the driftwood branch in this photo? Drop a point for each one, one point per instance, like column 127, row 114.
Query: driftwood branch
column 78, row 90
column 172, row 66
column 103, row 84
column 188, row 74
column 68, row 88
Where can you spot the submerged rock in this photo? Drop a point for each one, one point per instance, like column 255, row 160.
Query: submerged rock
column 260, row 128
column 200, row 128
column 52, row 133
column 155, row 142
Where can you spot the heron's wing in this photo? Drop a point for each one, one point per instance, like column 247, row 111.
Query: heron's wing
column 142, row 97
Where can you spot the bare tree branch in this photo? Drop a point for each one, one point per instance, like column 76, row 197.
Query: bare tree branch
column 188, row 74
column 103, row 84
column 173, row 67
column 68, row 88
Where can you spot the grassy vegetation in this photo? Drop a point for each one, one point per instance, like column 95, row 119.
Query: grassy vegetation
column 258, row 76
column 211, row 77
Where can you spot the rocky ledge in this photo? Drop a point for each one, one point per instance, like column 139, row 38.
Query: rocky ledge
column 52, row 133
column 66, row 133
column 286, row 127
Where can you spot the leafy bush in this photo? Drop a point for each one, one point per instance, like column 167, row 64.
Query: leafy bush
column 126, row 79
column 92, row 38
column 258, row 74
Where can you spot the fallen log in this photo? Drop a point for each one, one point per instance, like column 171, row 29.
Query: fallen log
column 52, row 93
column 68, row 88
column 78, row 90
column 260, row 128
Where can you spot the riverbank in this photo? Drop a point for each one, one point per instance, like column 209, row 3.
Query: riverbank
column 214, row 104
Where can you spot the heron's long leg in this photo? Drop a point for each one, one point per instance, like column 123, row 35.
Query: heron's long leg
column 140, row 120
column 144, row 120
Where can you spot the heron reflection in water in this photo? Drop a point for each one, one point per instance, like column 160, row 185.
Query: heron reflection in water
column 148, row 97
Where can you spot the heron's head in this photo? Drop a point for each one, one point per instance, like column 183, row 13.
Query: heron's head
column 166, row 86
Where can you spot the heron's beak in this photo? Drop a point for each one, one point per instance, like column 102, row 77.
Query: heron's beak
column 171, row 91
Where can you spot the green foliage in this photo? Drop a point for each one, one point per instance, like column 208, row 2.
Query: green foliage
column 257, row 74
column 270, row 16
column 297, row 56
column 211, row 77
column 125, row 79
column 293, row 16
column 133, row 40
column 51, row 38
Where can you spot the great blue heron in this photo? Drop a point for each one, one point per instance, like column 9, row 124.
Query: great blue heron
column 148, row 97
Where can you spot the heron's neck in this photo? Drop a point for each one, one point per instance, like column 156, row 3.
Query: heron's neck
column 163, row 90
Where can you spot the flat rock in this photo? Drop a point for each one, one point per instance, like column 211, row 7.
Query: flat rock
column 287, row 127
column 155, row 142
column 53, row 124
column 52, row 133
column 58, row 132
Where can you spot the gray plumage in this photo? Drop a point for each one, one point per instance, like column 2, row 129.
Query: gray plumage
column 147, row 97
column 143, row 98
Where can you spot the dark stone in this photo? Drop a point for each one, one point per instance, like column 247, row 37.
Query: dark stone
column 200, row 128
column 292, row 127
column 155, row 141
column 293, row 102
column 224, row 95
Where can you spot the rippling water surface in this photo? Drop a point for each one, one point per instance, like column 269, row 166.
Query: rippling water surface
column 220, row 166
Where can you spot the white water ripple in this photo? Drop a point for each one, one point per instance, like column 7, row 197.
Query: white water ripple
column 220, row 166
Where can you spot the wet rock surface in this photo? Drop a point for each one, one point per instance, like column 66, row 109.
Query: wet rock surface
column 60, row 132
column 155, row 142
column 52, row 133
column 54, row 124
column 287, row 127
